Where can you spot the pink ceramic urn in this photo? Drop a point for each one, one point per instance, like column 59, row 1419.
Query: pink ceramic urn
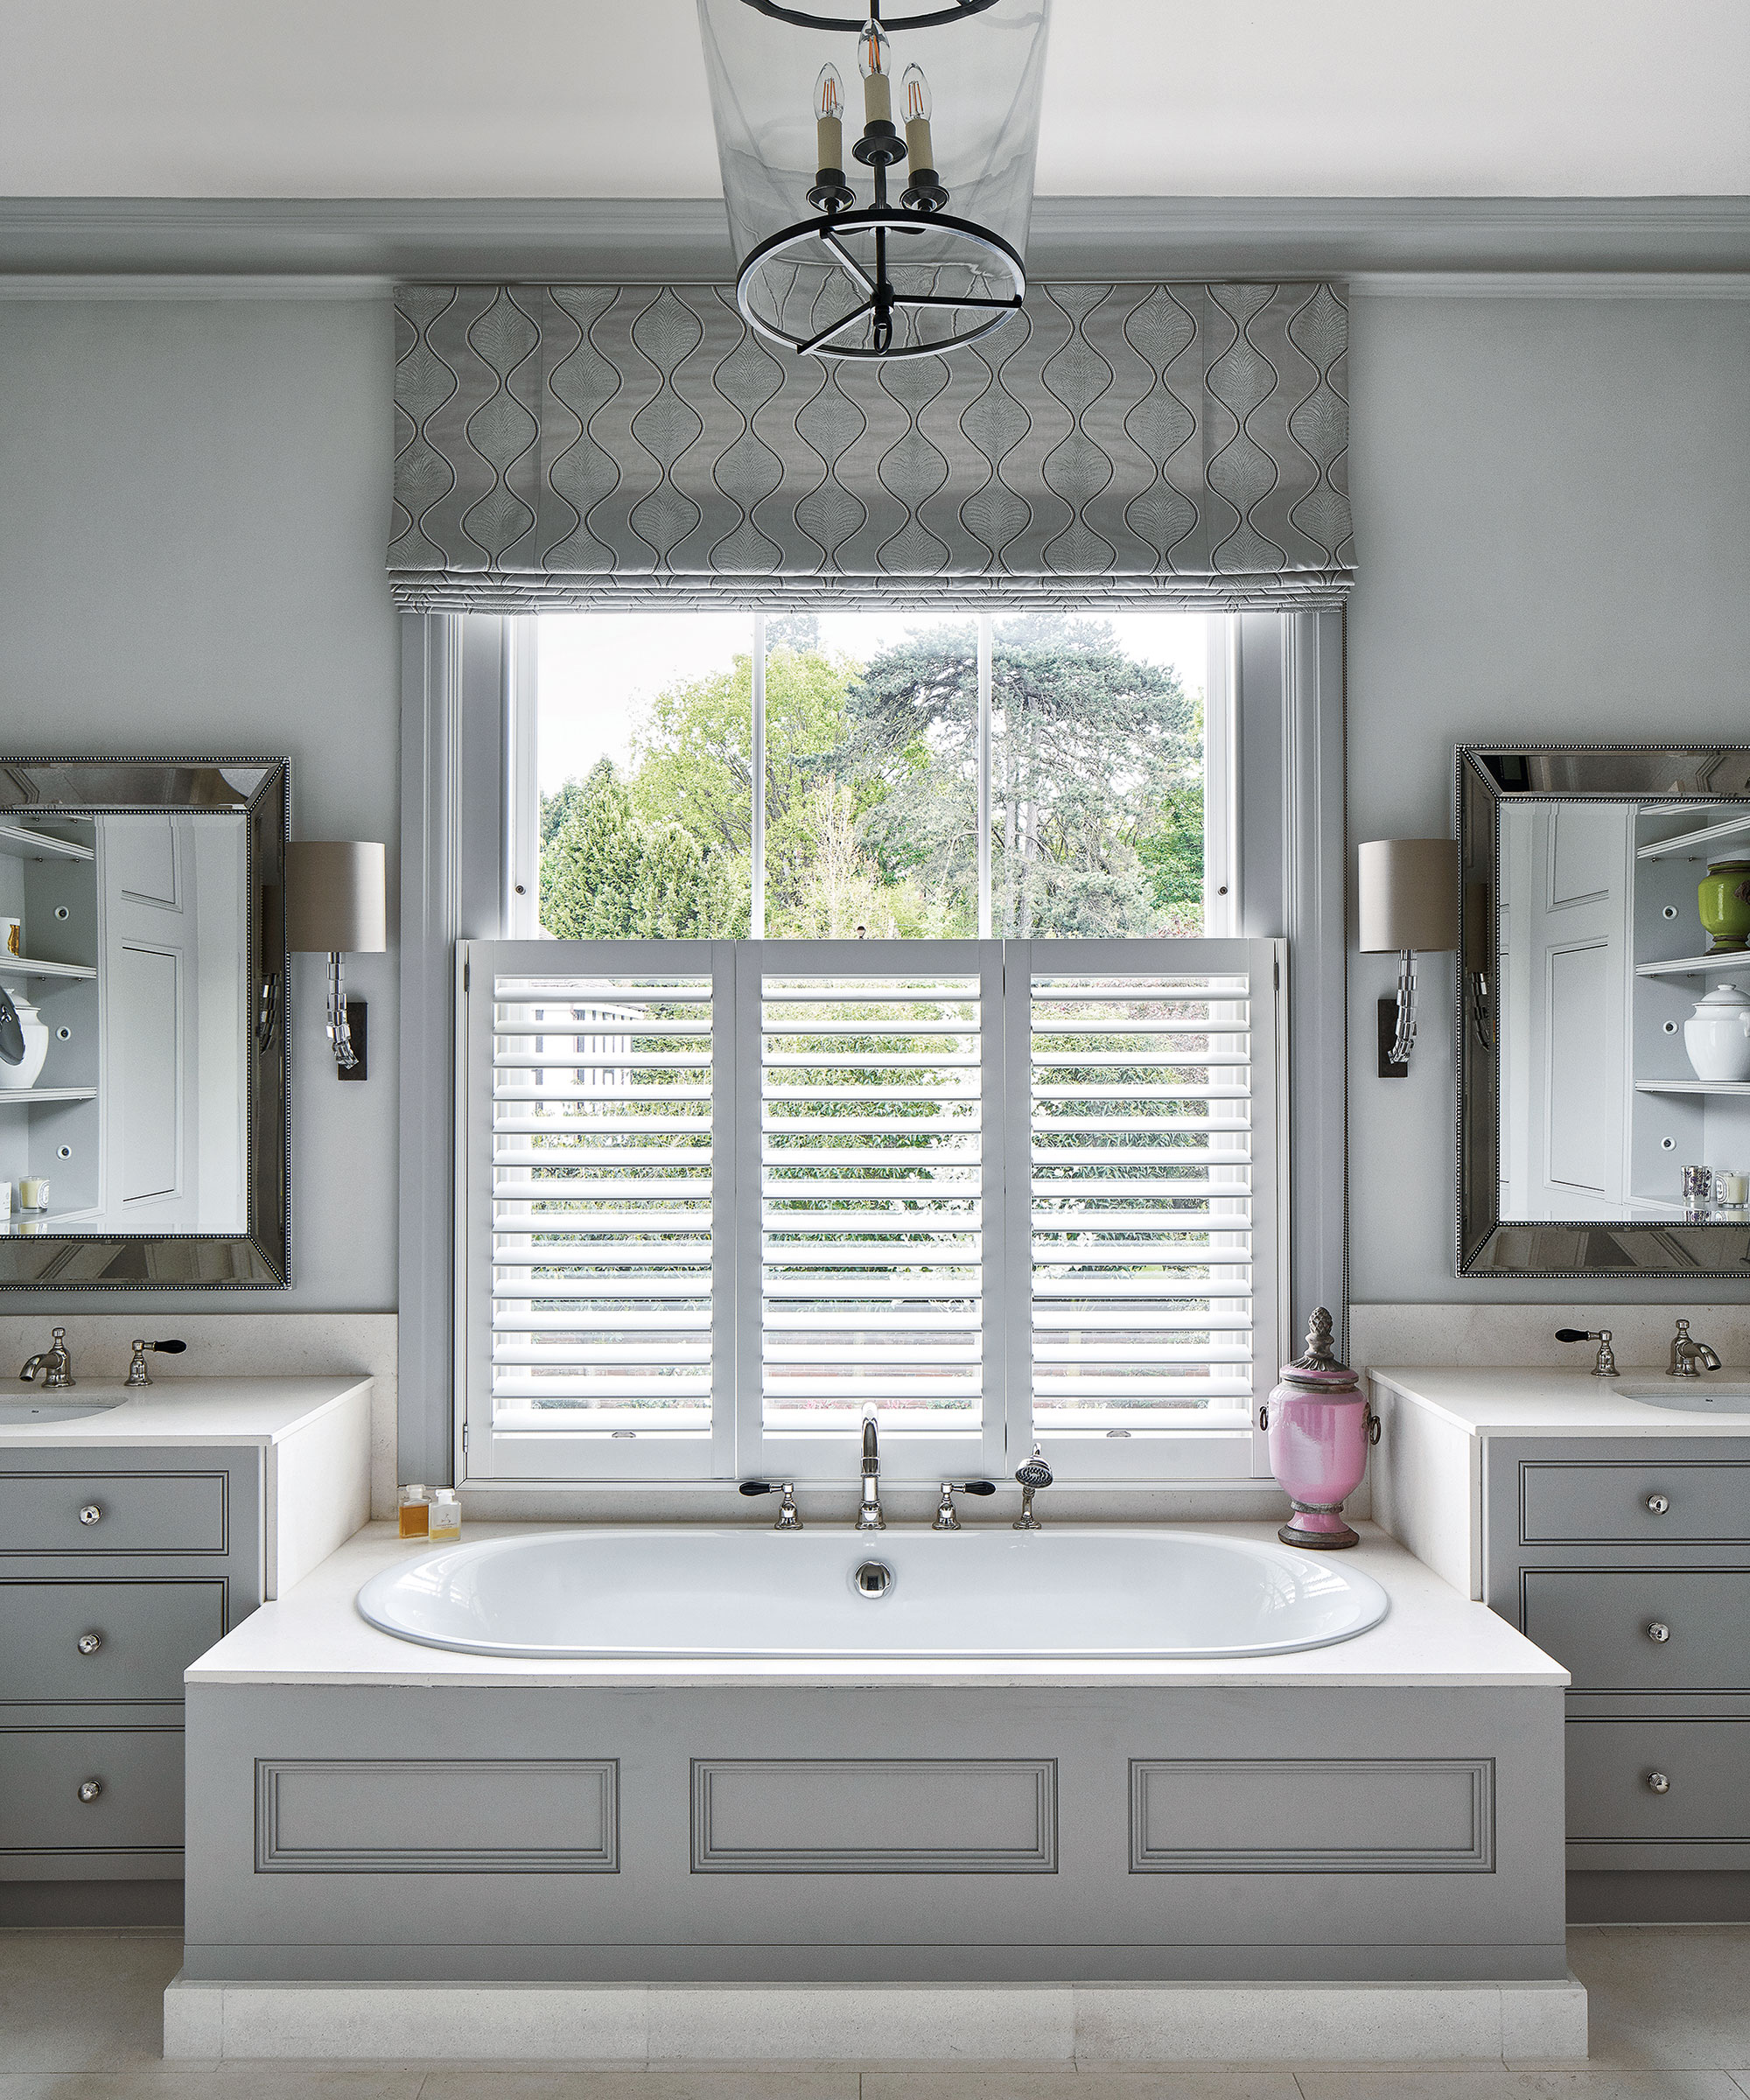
column 1320, row 1426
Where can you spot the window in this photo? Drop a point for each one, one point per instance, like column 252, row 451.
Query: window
column 846, row 775
column 717, row 1195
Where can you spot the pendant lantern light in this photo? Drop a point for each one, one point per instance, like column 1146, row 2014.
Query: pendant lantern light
column 877, row 168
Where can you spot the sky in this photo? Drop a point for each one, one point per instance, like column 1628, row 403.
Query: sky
column 598, row 669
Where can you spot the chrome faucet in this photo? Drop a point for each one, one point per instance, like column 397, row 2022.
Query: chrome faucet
column 1030, row 1477
column 137, row 1373
column 1606, row 1366
column 54, row 1363
column 789, row 1517
column 946, row 1520
column 869, row 1516
column 1688, row 1359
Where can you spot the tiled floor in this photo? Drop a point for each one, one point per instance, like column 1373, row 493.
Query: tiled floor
column 79, row 2015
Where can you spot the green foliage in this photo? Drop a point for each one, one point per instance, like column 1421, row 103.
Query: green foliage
column 870, row 790
column 1088, row 744
column 606, row 876
column 1172, row 854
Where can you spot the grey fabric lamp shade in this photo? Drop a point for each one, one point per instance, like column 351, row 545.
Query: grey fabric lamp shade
column 336, row 897
column 1409, row 895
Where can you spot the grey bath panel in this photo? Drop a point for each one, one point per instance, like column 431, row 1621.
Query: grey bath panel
column 1606, row 1503
column 437, row 1816
column 136, row 1512
column 874, row 1815
column 824, row 1792
column 1300, row 1815
column 1643, row 1629
column 147, row 1632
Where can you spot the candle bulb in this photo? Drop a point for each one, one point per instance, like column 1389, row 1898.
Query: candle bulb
column 829, row 119
column 877, row 84
column 915, row 99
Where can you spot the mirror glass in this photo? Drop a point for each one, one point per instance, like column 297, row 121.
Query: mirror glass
column 141, row 1067
column 1624, row 1010
column 1604, row 1066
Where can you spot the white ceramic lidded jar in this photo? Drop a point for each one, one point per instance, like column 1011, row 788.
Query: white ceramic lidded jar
column 1717, row 1036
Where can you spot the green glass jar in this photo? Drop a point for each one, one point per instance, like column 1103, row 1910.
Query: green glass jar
column 1725, row 899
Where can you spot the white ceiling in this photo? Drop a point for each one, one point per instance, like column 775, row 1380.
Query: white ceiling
column 606, row 98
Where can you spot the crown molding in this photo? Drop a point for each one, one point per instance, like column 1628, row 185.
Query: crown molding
column 220, row 244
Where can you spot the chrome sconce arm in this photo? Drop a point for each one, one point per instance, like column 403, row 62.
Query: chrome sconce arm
column 1409, row 896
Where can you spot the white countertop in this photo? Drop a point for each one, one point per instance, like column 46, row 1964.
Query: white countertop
column 1539, row 1403
column 314, row 1635
column 184, row 1409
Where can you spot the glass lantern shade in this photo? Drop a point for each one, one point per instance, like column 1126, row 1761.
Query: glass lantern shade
column 811, row 251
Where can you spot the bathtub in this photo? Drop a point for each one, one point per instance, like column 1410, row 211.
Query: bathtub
column 830, row 1592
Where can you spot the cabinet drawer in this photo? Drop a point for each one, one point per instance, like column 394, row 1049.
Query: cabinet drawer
column 1707, row 1764
column 1608, row 1504
column 1597, row 1623
column 136, row 1512
column 138, row 1773
column 147, row 1633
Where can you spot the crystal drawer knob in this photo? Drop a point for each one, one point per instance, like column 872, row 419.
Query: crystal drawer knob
column 1658, row 1632
column 90, row 1789
column 89, row 1644
column 91, row 1515
column 1658, row 1503
column 1658, row 1784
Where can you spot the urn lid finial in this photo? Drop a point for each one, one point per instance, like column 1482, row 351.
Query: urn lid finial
column 1318, row 1363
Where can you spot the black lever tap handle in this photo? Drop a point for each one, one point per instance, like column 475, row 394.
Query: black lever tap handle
column 168, row 1349
column 975, row 1486
column 758, row 1487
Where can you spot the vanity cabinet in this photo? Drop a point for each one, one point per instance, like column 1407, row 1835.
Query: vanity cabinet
column 118, row 1568
column 1627, row 1560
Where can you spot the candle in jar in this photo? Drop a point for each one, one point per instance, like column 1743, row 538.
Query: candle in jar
column 33, row 1192
column 829, row 119
column 1733, row 1190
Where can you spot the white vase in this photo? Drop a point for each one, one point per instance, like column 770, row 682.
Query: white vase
column 35, row 1047
column 1717, row 1036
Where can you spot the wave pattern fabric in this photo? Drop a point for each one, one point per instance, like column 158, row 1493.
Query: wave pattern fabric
column 599, row 445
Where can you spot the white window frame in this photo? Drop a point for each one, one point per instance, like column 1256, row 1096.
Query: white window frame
column 738, row 1445
column 1281, row 672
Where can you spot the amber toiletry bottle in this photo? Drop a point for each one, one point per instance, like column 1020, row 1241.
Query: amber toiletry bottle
column 416, row 1511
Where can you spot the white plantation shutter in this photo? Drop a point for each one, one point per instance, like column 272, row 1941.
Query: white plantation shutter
column 1149, row 1075
column 879, row 1177
column 597, row 1157
column 718, row 1196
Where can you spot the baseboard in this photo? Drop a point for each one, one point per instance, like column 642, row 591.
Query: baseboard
column 114, row 1905
column 1659, row 1899
column 1047, row 2023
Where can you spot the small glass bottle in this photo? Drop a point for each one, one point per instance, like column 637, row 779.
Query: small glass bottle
column 445, row 1521
column 416, row 1511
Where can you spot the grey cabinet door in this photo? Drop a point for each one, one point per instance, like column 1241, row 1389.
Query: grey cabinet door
column 1613, row 1764
column 1640, row 1503
column 137, row 1805
column 1643, row 1629
column 157, row 1512
column 77, row 1644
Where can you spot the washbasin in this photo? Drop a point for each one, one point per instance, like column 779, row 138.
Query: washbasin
column 43, row 1414
column 1704, row 1395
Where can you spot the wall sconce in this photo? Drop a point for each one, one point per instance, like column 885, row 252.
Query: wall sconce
column 336, row 904
column 1408, row 905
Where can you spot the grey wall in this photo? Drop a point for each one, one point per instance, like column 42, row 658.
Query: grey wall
column 1552, row 505
column 1552, row 514
column 193, row 510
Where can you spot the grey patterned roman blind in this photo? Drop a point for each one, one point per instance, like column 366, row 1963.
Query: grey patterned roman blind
column 600, row 445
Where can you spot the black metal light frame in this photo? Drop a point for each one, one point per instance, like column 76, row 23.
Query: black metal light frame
column 917, row 212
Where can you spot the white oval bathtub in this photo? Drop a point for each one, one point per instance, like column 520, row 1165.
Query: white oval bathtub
column 1070, row 1590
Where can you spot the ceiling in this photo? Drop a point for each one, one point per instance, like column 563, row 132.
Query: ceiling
column 606, row 98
